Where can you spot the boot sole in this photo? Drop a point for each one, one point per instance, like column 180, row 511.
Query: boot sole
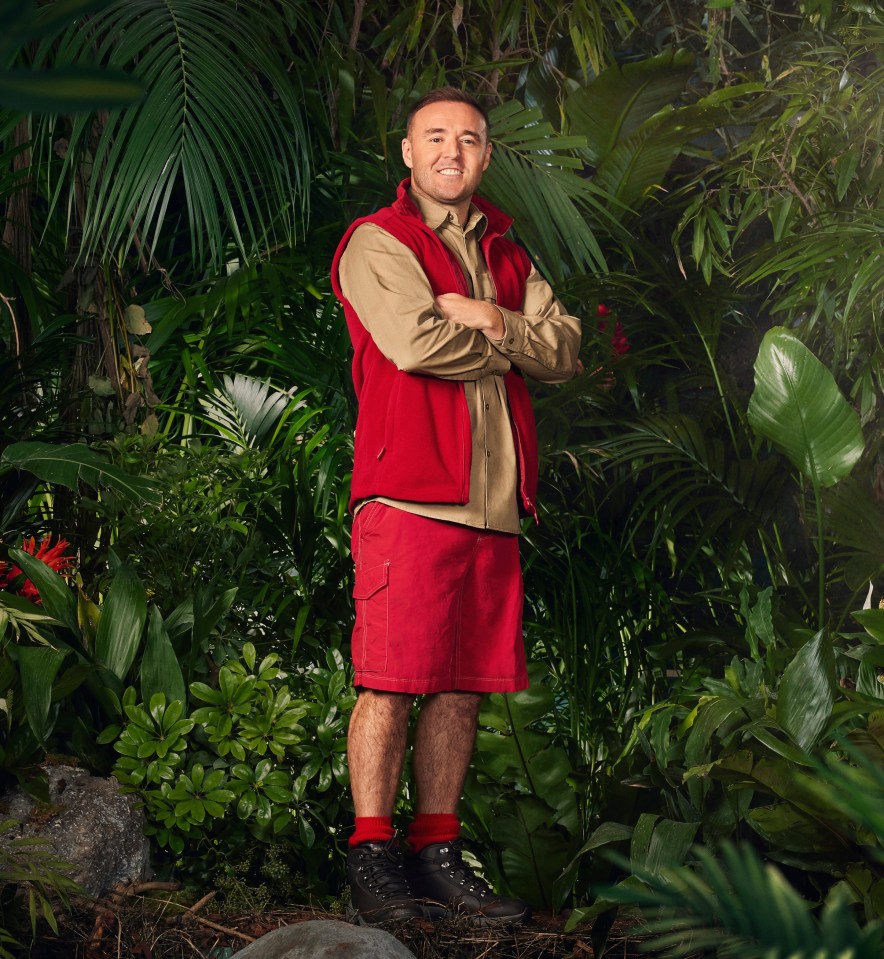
column 354, row 917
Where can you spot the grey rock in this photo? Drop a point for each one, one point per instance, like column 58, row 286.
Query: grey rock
column 90, row 824
column 326, row 939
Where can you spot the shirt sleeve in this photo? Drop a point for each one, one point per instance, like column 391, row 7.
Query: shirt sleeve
column 543, row 341
column 392, row 297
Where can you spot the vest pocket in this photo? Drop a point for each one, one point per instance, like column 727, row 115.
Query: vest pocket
column 371, row 595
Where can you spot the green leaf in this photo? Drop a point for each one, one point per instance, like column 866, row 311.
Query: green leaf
column 797, row 405
column 67, row 89
column 533, row 854
column 38, row 666
column 122, row 623
column 604, row 834
column 873, row 622
column 870, row 680
column 621, row 98
column 805, row 695
column 245, row 409
column 211, row 129
column 160, row 669
column 75, row 463
column 59, row 600
column 529, row 178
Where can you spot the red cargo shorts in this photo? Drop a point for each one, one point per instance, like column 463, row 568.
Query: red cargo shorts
column 438, row 605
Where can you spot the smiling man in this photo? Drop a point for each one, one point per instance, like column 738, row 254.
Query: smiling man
column 446, row 314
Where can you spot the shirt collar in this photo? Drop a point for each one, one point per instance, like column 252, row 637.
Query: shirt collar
column 437, row 215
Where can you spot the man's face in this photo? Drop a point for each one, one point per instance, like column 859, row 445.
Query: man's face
column 447, row 151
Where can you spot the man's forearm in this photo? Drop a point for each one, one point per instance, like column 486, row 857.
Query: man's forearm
column 390, row 293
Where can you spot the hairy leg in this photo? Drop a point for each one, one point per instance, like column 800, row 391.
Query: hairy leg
column 443, row 746
column 376, row 749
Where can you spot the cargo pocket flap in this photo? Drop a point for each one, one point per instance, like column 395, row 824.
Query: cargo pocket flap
column 369, row 580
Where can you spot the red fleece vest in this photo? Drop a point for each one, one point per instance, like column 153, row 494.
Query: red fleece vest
column 413, row 439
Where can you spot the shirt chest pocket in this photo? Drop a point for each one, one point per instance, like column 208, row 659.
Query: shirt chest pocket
column 484, row 287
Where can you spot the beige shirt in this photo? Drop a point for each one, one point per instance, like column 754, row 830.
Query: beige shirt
column 391, row 294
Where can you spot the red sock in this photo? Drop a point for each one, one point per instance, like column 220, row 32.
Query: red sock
column 429, row 828
column 372, row 829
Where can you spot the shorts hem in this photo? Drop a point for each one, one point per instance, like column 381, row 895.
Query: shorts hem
column 424, row 687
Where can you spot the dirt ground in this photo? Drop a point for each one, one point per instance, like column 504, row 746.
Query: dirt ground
column 147, row 923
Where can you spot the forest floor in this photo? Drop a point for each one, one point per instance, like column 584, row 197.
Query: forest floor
column 150, row 924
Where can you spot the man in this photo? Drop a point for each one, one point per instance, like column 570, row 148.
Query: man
column 445, row 315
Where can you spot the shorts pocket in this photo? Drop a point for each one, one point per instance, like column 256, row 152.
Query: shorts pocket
column 368, row 516
column 371, row 593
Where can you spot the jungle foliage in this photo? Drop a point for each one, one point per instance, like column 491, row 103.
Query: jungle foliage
column 703, row 591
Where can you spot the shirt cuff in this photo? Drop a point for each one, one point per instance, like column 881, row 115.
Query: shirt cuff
column 513, row 332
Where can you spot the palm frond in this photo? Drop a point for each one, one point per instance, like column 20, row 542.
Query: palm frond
column 246, row 410
column 536, row 178
column 687, row 475
column 740, row 907
column 220, row 129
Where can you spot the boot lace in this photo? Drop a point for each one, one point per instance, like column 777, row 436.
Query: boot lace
column 383, row 871
column 459, row 871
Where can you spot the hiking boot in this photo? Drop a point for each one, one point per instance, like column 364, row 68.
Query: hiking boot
column 378, row 888
column 439, row 875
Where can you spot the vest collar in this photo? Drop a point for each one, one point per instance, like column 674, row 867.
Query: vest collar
column 498, row 221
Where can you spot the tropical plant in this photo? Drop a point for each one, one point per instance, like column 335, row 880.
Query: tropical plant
column 253, row 763
column 739, row 906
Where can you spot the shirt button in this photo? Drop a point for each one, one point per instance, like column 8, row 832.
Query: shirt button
column 487, row 406
column 512, row 339
column 487, row 452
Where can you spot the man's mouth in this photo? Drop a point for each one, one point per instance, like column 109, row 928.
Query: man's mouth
column 450, row 171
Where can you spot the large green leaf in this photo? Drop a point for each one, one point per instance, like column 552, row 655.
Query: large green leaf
column 533, row 854
column 38, row 667
column 121, row 624
column 635, row 166
column 58, row 599
column 75, row 463
column 221, row 125
column 616, row 103
column 806, row 695
column 160, row 669
column 797, row 405
column 658, row 844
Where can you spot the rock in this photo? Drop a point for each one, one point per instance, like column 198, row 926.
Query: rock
column 325, row 939
column 90, row 824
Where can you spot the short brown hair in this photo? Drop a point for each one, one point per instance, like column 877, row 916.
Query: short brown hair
column 446, row 95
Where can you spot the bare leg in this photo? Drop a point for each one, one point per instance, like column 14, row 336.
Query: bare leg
column 443, row 746
column 376, row 749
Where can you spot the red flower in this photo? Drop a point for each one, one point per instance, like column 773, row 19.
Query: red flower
column 619, row 341
column 13, row 579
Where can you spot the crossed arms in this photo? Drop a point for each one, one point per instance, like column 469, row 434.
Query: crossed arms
column 452, row 336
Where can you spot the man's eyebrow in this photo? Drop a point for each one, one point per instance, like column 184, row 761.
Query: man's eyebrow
column 468, row 133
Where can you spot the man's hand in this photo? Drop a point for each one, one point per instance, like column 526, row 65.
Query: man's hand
column 476, row 314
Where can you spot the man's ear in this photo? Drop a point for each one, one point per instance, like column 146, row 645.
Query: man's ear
column 406, row 152
column 487, row 157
